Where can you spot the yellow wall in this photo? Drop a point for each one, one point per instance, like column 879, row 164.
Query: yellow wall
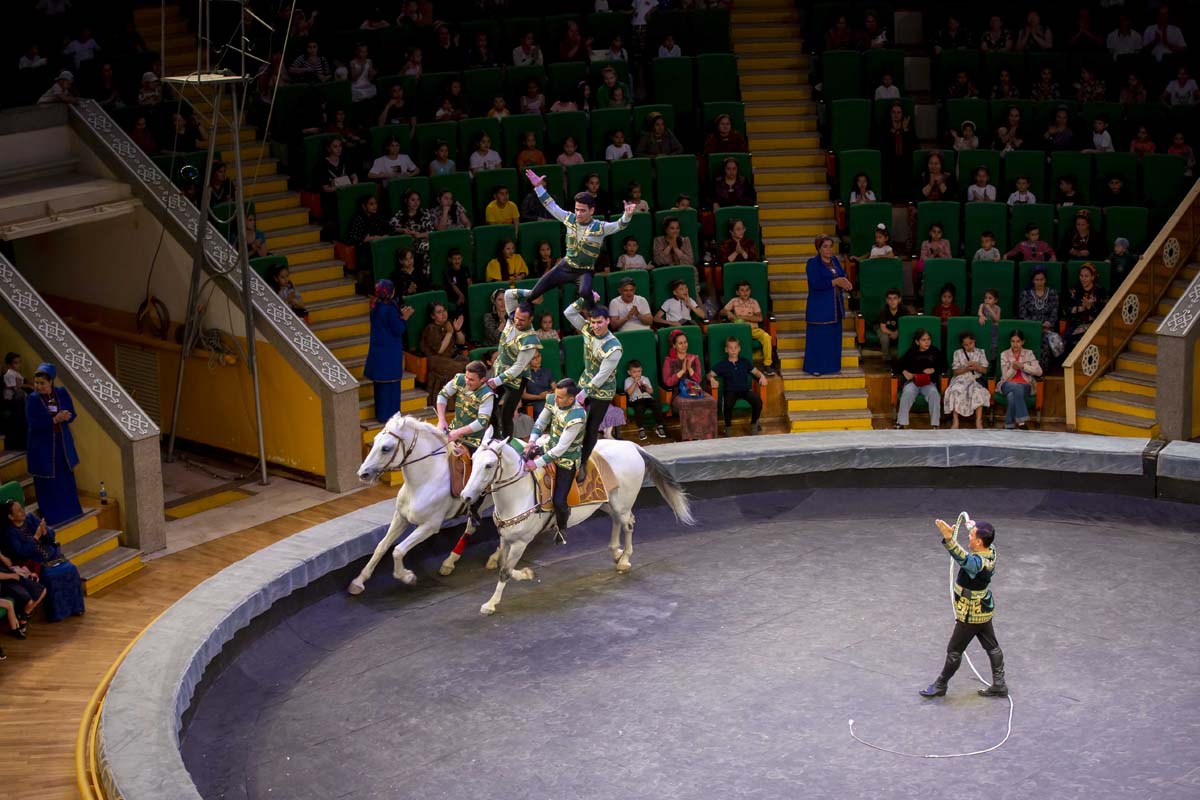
column 99, row 454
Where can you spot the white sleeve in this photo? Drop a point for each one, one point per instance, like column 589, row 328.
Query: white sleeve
column 607, row 367
column 574, row 314
column 551, row 206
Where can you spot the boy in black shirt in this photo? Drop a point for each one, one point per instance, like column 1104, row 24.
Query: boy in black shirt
column 737, row 372
column 889, row 323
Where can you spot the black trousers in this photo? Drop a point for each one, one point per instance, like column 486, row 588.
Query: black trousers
column 641, row 406
column 21, row 591
column 562, row 274
column 563, row 478
column 750, row 396
column 504, row 410
column 596, row 409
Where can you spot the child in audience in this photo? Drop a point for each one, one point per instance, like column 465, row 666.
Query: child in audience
column 1032, row 248
column 965, row 138
column 887, row 90
column 446, row 112
column 619, row 148
column 631, row 259
column 883, row 243
column 545, row 330
column 668, row 48
column 639, row 393
column 484, row 157
column 982, row 190
column 1180, row 147
column 412, row 67
column 16, row 386
column 282, row 281
column 457, row 280
column 1022, row 194
column 1142, row 144
column 533, row 101
column 933, row 247
column 1113, row 193
column 442, row 164
column 1067, row 196
column 544, row 261
column 570, row 154
column 947, row 308
column 989, row 312
column 888, row 323
column 679, row 308
column 1121, row 261
column 617, row 99
column 530, row 155
column 635, row 196
column 987, row 248
column 1101, row 138
column 861, row 192
column 499, row 107
column 682, row 203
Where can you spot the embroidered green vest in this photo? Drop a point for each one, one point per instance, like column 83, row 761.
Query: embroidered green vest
column 466, row 408
column 595, row 350
column 512, row 342
column 560, row 420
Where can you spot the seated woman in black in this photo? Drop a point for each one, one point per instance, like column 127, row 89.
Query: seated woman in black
column 28, row 543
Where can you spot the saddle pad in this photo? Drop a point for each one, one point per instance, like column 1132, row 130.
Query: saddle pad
column 460, row 470
column 597, row 482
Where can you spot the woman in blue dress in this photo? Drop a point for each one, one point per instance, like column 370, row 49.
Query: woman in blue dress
column 826, row 310
column 30, row 543
column 385, row 353
column 51, row 455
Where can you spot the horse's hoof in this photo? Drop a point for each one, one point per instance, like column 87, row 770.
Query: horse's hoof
column 447, row 567
column 525, row 574
column 493, row 561
column 616, row 554
column 406, row 576
column 356, row 587
column 487, row 610
column 624, row 566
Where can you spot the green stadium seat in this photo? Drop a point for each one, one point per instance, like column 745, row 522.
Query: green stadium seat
column 709, row 30
column 531, row 234
column 513, row 28
column 459, row 184
column 980, row 217
column 754, row 272
column 955, row 326
column 862, row 219
column 1163, row 182
column 481, row 86
column 736, row 112
column 468, row 29
column 1077, row 165
column 1055, row 276
column 853, row 162
column 881, row 60
column 1031, row 164
column 398, row 187
column 596, row 75
column 264, row 264
column 875, row 277
column 994, row 61
column 604, row 25
column 641, row 227
column 572, row 348
column 516, row 79
column 485, row 183
column 335, row 94
column 513, row 130
column 998, row 275
column 717, row 333
column 479, row 299
column 1103, row 273
column 486, row 242
column 695, row 340
column 1130, row 222
column 676, row 175
column 689, row 225
column 314, row 151
column 641, row 346
column 849, row 124
column 970, row 108
column 604, row 122
column 383, row 254
column 1044, row 112
column 348, row 198
column 661, row 279
column 1032, row 331
column 725, row 216
column 1066, row 226
column 577, row 176
column 664, row 21
column 469, row 131
column 480, row 353
column 948, row 63
column 745, row 167
column 641, row 282
column 562, row 124
column 971, row 160
column 440, row 244
column 551, row 301
column 1115, row 112
column 1025, row 213
column 642, row 111
column 938, row 273
column 1119, row 165
column 625, row 171
column 426, row 137
column 381, row 133
column 947, row 212
column 716, row 77
column 431, row 87
column 564, row 77
column 673, row 83
column 420, row 304
column 841, row 74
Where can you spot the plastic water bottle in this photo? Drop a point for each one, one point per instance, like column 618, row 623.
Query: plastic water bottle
column 103, row 494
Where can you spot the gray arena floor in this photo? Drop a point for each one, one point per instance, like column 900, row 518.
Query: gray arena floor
column 727, row 664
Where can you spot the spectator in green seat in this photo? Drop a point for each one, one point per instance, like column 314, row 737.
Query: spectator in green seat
column 365, row 226
column 481, row 55
column 362, row 76
column 1133, row 93
column 731, row 188
column 1121, row 261
column 888, row 324
column 896, row 144
column 996, row 38
column 500, row 211
column 737, row 371
column 1034, row 37
column 530, row 155
column 527, row 53
column 1078, row 242
column 1019, row 369
column 1004, row 88
column 396, row 110
column 840, row 36
column 484, row 157
column 412, row 220
column 1085, row 301
column 533, row 101
column 658, row 140
column 672, row 249
column 683, row 375
column 311, row 66
column 330, row 174
column 574, row 46
column 444, row 346
column 448, row 214
column 679, row 308
column 920, row 367
column 393, row 163
column 407, row 278
column 1039, row 303
column 1090, row 88
column 256, row 241
column 609, row 84
column 737, row 247
column 966, row 396
column 724, row 139
column 1058, row 135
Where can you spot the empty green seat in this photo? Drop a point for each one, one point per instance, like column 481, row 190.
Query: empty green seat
column 398, row 187
column 853, row 162
column 948, row 64
column 381, row 133
column 938, row 273
column 881, row 60
column 675, row 175
column 1163, row 181
column 481, row 86
column 673, row 83
column 850, row 124
column 1130, row 222
column 717, row 77
column 841, row 74
column 513, row 130
column 980, row 217
column 431, row 87
column 572, row 347
column 754, row 273
column 564, row 77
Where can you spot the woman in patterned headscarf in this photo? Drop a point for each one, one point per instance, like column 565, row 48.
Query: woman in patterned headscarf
column 385, row 353
column 51, row 456
column 826, row 309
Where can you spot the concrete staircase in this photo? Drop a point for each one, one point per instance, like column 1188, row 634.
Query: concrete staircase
column 337, row 315
column 1121, row 403
column 793, row 205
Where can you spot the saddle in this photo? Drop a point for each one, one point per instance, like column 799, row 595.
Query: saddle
column 460, row 470
column 597, row 482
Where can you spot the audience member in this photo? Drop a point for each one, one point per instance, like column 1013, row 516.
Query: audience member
column 444, row 55
column 679, row 308
column 920, row 367
column 967, row 394
column 987, row 248
column 840, row 36
column 952, row 36
column 508, row 265
column 499, row 109
column 1009, row 135
column 458, row 282
column 1078, row 242
column 724, row 139
column 500, row 211
column 672, row 249
column 1084, row 303
column 1162, row 38
column 310, row 66
column 682, row 374
column 997, row 38
column 961, row 87
column 657, row 139
column 1182, row 91
column 731, row 188
column 60, row 90
column 861, row 191
column 484, row 157
column 639, row 393
column 1122, row 40
column 630, row 258
column 29, row 543
column 888, row 323
column 385, row 352
column 936, row 183
column 539, row 384
column 1035, row 37
column 668, row 48
column 946, row 307
column 630, row 311
column 737, row 247
column 1133, row 93
column 366, row 226
column 1039, row 303
column 887, row 89
column 737, row 371
column 1121, row 261
column 1019, row 369
column 982, row 189
column 1059, row 135
column 1031, row 248
column 448, row 213
column 393, row 163
column 745, row 309
column 527, row 53
column 896, row 145
column 1005, row 88
column 411, row 220
column 362, row 76
column 83, row 48
column 1021, row 195
column 1085, row 40
column 442, row 164
column 873, row 34
column 1142, row 144
column 533, row 101
column 396, row 110
column 618, row 148
column 405, row 276
column 574, row 46
column 1045, row 88
column 1090, row 88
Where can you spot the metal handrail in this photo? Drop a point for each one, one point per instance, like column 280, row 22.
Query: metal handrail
column 1105, row 326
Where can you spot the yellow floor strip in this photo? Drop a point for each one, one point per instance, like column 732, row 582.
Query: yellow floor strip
column 214, row 500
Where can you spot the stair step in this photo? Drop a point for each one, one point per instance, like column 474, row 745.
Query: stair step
column 776, row 94
column 792, row 109
column 1111, row 423
column 247, row 133
column 319, row 253
column 1150, row 324
column 269, row 221
column 753, row 34
column 328, row 290
column 273, row 185
column 795, row 359
column 780, row 198
column 73, row 529
column 306, row 272
column 743, row 18
column 331, row 330
column 751, row 62
column 1134, row 405
column 276, row 201
column 848, row 378
column 1138, row 362
column 765, row 160
column 91, row 545
column 1132, row 382
column 761, row 125
column 826, row 399
column 772, row 78
column 109, row 568
column 807, row 228
column 1144, row 343
column 780, row 142
column 856, row 419
column 294, row 236
column 790, row 176
column 339, row 308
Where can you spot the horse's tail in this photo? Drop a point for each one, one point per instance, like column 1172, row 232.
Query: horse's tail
column 669, row 488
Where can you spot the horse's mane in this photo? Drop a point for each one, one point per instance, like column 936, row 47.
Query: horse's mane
column 421, row 427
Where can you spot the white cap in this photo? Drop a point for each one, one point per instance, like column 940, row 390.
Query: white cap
column 148, row 77
column 65, row 75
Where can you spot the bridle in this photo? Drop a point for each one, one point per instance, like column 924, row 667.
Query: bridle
column 404, row 450
column 493, row 487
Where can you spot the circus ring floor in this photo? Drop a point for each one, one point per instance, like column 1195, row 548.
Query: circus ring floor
column 729, row 661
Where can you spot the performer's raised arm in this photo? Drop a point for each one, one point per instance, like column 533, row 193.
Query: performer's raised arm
column 574, row 314
column 539, row 189
column 619, row 225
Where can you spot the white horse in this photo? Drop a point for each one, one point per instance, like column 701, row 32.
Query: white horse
column 419, row 451
column 499, row 470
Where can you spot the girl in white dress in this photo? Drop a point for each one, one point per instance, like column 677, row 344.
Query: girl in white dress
column 965, row 395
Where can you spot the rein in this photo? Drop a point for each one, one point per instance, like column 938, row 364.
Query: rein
column 405, row 450
column 493, row 488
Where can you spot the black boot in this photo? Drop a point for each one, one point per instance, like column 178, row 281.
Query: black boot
column 581, row 472
column 560, row 518
column 998, row 688
column 938, row 687
column 473, row 513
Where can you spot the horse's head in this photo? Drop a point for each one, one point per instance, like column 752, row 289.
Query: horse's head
column 485, row 467
column 388, row 450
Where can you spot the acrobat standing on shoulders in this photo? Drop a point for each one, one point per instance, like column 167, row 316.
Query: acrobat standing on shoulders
column 585, row 237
